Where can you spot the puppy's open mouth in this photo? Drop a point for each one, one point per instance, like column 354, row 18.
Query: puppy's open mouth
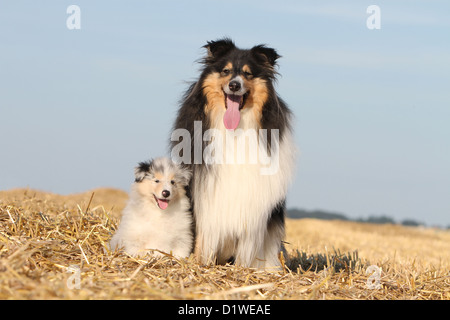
column 162, row 203
column 233, row 104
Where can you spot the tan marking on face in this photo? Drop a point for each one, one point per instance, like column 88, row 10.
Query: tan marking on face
column 257, row 97
column 215, row 97
column 246, row 69
column 228, row 66
column 158, row 176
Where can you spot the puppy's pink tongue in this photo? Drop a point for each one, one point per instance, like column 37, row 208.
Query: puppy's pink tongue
column 162, row 204
column 232, row 115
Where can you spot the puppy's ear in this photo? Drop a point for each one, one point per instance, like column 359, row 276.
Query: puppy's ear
column 265, row 55
column 185, row 176
column 217, row 49
column 141, row 171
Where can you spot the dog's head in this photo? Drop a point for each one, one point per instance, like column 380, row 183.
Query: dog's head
column 235, row 79
column 162, row 180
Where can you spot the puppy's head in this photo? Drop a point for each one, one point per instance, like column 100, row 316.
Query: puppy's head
column 161, row 181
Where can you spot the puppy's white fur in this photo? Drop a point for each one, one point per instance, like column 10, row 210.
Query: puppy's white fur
column 145, row 226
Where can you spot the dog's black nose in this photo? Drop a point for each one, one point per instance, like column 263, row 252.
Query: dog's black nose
column 234, row 86
column 165, row 193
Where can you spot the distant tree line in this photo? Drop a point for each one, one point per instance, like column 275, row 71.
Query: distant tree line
column 326, row 215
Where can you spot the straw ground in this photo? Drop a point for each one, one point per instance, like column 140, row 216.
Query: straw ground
column 54, row 247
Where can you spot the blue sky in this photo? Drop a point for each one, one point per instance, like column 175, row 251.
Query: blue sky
column 79, row 108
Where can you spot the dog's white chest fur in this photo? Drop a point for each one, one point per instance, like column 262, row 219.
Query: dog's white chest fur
column 233, row 202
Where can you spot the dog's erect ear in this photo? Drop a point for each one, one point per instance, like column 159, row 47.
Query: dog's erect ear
column 141, row 171
column 217, row 49
column 265, row 54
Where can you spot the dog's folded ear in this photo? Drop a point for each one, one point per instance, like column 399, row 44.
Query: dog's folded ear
column 185, row 176
column 141, row 171
column 217, row 49
column 265, row 55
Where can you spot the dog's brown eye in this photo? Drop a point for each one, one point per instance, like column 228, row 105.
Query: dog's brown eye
column 172, row 182
column 248, row 74
column 226, row 72
column 157, row 181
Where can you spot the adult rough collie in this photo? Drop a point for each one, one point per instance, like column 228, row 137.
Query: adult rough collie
column 234, row 132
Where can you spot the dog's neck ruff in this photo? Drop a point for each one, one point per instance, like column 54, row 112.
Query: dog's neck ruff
column 233, row 203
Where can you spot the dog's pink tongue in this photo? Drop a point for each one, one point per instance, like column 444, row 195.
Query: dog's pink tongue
column 232, row 115
column 163, row 204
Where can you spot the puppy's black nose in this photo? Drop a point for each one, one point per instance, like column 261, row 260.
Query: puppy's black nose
column 234, row 86
column 165, row 193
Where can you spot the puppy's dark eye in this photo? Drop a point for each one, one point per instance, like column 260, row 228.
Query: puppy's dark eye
column 226, row 72
column 172, row 181
column 157, row 181
column 248, row 74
